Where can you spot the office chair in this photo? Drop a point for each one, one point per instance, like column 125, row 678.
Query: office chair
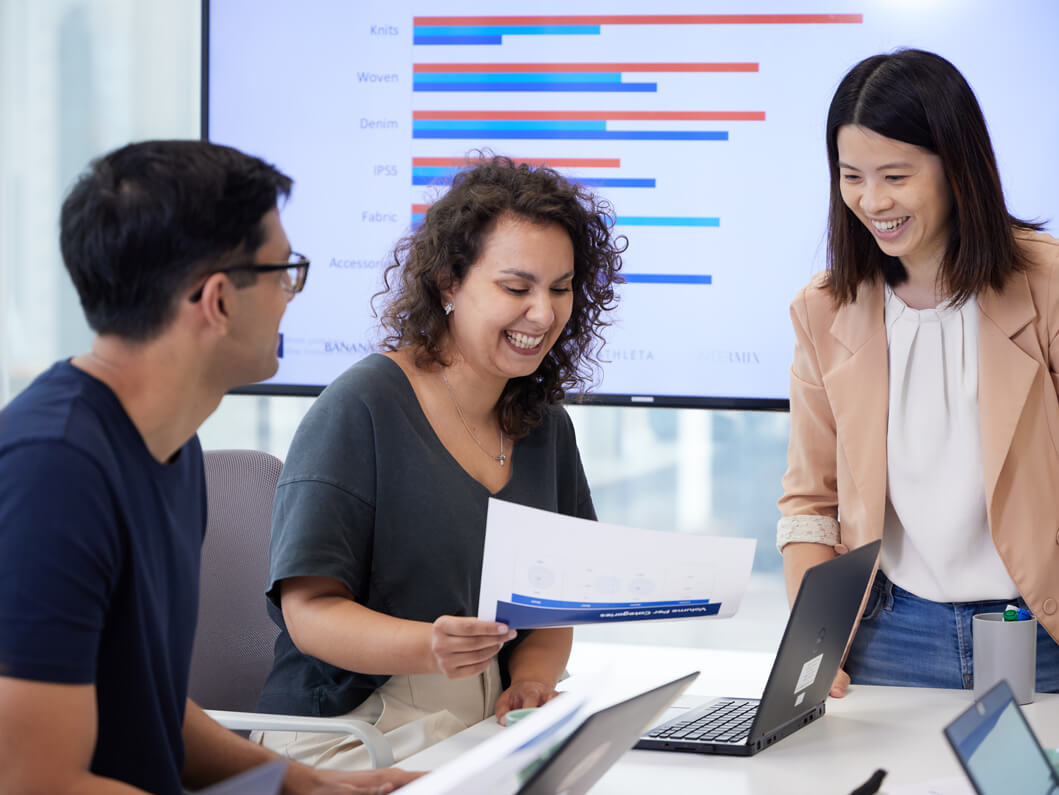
column 234, row 638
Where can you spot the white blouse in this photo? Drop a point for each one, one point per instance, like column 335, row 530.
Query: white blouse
column 936, row 540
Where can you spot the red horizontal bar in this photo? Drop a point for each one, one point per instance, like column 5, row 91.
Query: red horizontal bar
column 419, row 208
column 564, row 162
column 651, row 19
column 582, row 67
column 593, row 115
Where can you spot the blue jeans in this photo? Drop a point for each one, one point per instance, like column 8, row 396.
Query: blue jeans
column 906, row 640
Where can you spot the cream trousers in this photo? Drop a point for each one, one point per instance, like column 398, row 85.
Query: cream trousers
column 413, row 711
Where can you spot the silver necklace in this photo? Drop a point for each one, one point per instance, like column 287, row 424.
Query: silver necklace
column 500, row 459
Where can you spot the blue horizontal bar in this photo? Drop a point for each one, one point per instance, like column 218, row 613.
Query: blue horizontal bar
column 517, row 77
column 620, row 88
column 577, row 135
column 590, row 182
column 519, row 616
column 667, row 278
column 460, row 31
column 427, row 40
column 499, row 124
column 660, row 220
column 524, row 599
column 613, row 182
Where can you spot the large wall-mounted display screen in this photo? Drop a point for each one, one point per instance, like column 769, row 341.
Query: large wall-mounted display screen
column 701, row 122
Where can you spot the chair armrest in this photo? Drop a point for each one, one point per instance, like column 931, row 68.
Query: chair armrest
column 379, row 750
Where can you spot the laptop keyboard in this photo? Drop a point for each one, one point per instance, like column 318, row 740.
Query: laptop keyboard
column 726, row 721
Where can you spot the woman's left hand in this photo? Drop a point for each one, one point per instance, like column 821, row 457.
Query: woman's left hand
column 523, row 695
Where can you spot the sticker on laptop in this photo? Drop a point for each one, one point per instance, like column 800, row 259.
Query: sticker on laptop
column 809, row 672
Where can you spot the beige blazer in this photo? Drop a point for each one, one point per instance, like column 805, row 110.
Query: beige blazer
column 839, row 409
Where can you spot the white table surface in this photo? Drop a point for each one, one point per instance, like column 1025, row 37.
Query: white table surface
column 898, row 729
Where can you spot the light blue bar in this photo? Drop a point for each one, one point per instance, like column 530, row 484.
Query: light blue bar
column 440, row 31
column 472, row 124
column 660, row 220
column 516, row 77
column 435, row 171
column 523, row 599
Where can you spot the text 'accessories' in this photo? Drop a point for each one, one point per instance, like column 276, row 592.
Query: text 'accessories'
column 500, row 459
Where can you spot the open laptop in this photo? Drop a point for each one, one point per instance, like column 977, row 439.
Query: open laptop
column 998, row 749
column 589, row 751
column 563, row 747
column 805, row 666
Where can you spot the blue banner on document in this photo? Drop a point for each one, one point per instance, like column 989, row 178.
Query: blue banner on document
column 527, row 613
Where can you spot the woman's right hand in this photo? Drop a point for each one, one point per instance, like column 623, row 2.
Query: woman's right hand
column 463, row 646
column 840, row 685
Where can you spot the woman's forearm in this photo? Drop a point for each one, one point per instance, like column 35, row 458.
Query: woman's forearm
column 339, row 631
column 799, row 556
column 542, row 657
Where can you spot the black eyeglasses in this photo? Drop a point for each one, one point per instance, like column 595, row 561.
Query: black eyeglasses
column 295, row 270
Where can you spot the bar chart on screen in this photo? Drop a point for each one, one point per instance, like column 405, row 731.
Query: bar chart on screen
column 660, row 134
column 701, row 123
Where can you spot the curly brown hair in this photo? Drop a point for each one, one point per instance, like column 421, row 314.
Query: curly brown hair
column 438, row 254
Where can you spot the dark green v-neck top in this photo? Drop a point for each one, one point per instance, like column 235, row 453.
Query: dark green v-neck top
column 370, row 497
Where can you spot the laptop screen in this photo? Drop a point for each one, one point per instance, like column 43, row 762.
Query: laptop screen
column 998, row 749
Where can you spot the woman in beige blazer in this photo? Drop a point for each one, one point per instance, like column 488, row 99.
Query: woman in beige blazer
column 924, row 382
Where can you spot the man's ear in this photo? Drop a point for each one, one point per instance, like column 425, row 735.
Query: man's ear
column 216, row 302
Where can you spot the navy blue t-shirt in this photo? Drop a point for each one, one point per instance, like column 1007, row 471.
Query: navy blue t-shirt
column 99, row 567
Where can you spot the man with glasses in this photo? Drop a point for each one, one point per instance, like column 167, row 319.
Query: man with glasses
column 184, row 271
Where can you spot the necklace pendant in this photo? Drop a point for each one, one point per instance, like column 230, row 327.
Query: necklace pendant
column 500, row 459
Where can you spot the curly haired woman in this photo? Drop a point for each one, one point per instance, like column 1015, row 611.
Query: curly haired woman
column 494, row 307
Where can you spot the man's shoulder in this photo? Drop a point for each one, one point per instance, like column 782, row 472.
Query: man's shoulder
column 61, row 407
column 54, row 439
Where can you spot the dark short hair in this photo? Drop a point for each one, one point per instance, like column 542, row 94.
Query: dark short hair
column 144, row 221
column 440, row 251
column 920, row 98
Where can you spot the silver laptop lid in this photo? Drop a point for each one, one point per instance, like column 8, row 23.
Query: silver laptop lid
column 997, row 748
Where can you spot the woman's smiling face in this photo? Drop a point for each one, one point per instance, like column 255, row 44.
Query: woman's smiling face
column 899, row 192
column 515, row 298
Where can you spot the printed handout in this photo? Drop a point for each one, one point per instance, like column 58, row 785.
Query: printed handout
column 543, row 569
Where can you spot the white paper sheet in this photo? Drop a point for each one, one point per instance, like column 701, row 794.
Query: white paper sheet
column 542, row 569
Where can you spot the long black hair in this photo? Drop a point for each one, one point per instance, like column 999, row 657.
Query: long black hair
column 921, row 99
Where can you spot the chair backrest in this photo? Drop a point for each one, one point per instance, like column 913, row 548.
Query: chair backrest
column 234, row 639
